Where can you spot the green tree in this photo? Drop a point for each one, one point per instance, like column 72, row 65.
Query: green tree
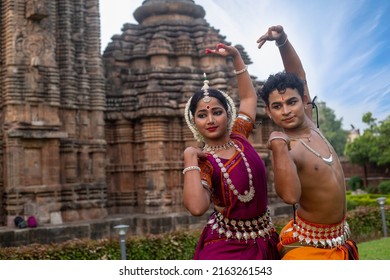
column 373, row 146
column 380, row 148
column 384, row 142
column 358, row 152
column 331, row 127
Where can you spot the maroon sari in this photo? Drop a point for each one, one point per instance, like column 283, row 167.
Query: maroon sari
column 255, row 237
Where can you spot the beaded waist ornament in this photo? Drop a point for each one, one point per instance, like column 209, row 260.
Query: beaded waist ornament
column 320, row 236
column 242, row 229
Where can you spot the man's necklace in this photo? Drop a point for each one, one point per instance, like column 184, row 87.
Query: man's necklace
column 248, row 195
column 328, row 160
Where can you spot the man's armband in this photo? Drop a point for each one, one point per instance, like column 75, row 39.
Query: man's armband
column 281, row 138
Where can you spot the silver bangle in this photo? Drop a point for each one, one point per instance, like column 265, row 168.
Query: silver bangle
column 282, row 44
column 245, row 118
column 189, row 168
column 241, row 71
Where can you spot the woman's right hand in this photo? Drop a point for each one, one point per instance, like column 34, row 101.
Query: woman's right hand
column 223, row 50
column 192, row 154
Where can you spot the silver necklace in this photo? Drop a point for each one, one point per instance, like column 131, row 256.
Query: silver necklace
column 225, row 146
column 328, row 160
column 248, row 195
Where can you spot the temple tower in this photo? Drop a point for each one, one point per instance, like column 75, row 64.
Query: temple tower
column 53, row 147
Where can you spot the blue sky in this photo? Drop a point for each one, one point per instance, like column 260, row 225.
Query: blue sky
column 344, row 45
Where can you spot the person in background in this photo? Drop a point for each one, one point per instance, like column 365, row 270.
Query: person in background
column 227, row 172
column 307, row 171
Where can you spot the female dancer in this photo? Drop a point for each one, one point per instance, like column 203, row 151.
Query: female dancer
column 227, row 172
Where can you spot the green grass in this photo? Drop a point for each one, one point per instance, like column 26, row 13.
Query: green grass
column 378, row 249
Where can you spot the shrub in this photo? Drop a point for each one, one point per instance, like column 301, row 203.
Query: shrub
column 77, row 249
column 384, row 187
column 174, row 246
column 170, row 246
column 352, row 204
column 372, row 189
column 366, row 222
column 354, row 201
column 355, row 182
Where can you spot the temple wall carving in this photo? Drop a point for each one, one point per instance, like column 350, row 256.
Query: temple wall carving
column 53, row 155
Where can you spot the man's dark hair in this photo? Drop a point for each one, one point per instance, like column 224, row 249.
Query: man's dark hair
column 280, row 82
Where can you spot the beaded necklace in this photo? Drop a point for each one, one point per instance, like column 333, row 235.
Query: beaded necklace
column 328, row 160
column 248, row 195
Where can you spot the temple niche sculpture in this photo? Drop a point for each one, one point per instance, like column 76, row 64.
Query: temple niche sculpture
column 86, row 136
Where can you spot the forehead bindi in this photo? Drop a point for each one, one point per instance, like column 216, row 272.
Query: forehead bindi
column 213, row 104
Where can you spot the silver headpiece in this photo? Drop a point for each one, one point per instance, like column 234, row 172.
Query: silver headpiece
column 206, row 98
column 190, row 118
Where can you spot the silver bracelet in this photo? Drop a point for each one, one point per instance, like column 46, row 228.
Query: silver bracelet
column 245, row 118
column 282, row 44
column 241, row 71
column 189, row 168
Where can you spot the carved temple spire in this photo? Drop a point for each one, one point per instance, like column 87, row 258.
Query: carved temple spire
column 153, row 11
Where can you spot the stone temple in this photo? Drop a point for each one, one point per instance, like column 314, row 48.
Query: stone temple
column 89, row 140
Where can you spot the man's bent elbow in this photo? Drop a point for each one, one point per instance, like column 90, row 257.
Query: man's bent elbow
column 196, row 212
column 289, row 199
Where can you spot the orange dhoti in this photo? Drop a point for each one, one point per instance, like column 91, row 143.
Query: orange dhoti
column 304, row 240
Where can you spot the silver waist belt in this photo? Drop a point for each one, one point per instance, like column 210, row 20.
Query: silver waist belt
column 321, row 236
column 242, row 229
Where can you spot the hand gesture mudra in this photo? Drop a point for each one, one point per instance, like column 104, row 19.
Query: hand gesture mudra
column 274, row 33
column 223, row 50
